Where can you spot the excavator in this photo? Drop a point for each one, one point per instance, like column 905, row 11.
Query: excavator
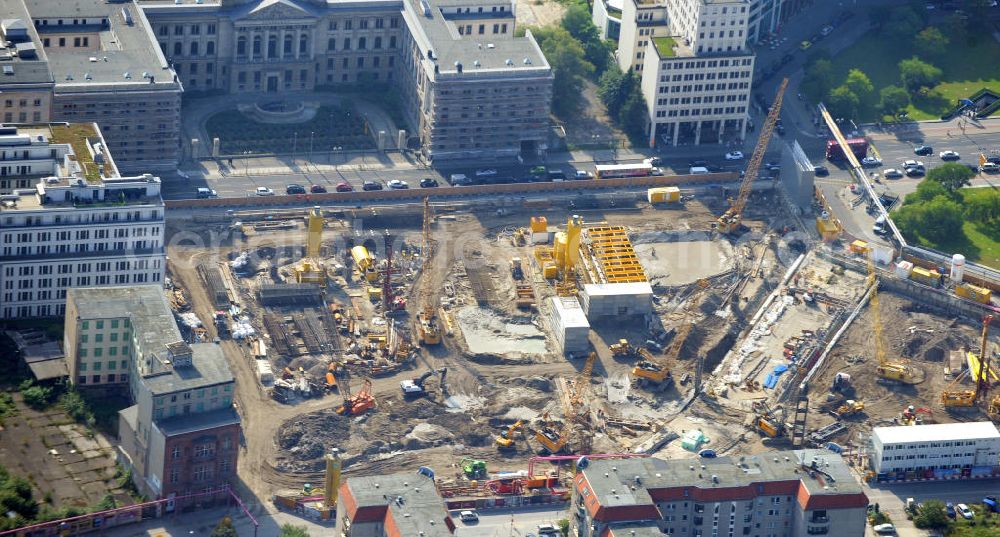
column 767, row 421
column 646, row 369
column 653, row 372
column 732, row 220
column 427, row 321
column 473, row 468
column 506, row 438
column 849, row 408
column 553, row 440
column 356, row 404
column 952, row 397
column 892, row 370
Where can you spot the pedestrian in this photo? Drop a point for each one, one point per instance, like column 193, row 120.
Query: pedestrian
column 949, row 134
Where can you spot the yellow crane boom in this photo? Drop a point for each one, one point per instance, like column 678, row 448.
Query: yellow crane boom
column 427, row 325
column 896, row 370
column 968, row 398
column 732, row 219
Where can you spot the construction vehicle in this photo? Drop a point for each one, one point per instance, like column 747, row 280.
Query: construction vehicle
column 473, row 468
column 646, row 369
column 553, row 440
column 622, row 349
column 898, row 370
column 911, row 415
column 849, row 408
column 952, row 397
column 767, row 421
column 516, row 270
column 731, row 221
column 428, row 329
column 356, row 404
column 505, row 440
column 415, row 387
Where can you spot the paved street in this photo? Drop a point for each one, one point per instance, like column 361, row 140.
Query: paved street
column 507, row 522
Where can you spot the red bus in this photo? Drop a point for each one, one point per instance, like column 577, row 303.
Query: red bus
column 859, row 146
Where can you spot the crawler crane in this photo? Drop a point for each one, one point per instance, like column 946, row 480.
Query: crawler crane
column 951, row 397
column 894, row 370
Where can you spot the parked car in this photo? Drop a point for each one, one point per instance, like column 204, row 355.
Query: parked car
column 459, row 179
column 205, row 193
column 654, row 161
column 734, row 155
column 965, row 511
column 871, row 162
column 398, row 184
column 949, row 509
column 548, row 530
column 583, row 174
column 468, row 516
column 697, row 163
column 991, row 503
column 915, row 172
column 293, row 189
column 486, row 173
column 371, row 185
column 912, row 164
column 885, row 529
column 264, row 191
column 949, row 155
column 772, row 167
column 821, row 171
column 825, row 31
column 317, row 189
column 923, row 150
column 805, row 45
column 344, row 186
column 707, row 454
column 892, row 173
column 428, row 182
column 989, row 167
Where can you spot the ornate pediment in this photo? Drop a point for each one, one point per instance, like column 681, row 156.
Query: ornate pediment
column 276, row 10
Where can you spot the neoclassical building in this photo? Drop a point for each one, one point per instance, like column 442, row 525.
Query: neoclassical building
column 470, row 88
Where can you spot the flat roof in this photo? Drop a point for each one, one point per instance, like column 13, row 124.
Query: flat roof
column 412, row 499
column 201, row 421
column 21, row 71
column 936, row 432
column 612, row 289
column 570, row 311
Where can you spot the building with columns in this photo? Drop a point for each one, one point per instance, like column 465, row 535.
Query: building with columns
column 442, row 56
column 695, row 65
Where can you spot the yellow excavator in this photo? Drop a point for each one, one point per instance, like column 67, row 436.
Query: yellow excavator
column 731, row 221
column 506, row 438
column 554, row 440
column 895, row 370
column 849, row 408
column 952, row 397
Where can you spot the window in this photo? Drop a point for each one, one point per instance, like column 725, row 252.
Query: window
column 210, row 48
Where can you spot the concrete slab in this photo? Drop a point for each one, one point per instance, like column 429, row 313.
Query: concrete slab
column 683, row 262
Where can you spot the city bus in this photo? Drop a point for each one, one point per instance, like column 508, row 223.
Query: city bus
column 609, row 171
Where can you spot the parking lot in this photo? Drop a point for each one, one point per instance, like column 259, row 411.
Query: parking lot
column 504, row 522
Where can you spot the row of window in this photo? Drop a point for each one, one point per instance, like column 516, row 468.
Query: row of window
column 956, row 443
column 498, row 28
column 22, row 117
column 348, row 24
column 924, row 456
column 102, row 379
column 92, row 217
column 67, row 268
column 687, row 88
column 193, row 29
column 84, row 234
column 194, row 48
column 699, row 99
column 702, row 111
column 362, row 43
column 9, row 103
column 81, row 281
column 78, row 42
column 78, row 248
column 701, row 64
column 202, row 472
column 32, row 310
column 111, row 366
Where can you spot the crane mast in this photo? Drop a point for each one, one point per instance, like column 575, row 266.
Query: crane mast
column 732, row 219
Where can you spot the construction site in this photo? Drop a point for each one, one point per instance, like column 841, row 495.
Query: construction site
column 468, row 337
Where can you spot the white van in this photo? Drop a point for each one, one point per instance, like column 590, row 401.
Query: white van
column 880, row 227
column 697, row 170
column 204, row 193
column 458, row 179
column 989, row 167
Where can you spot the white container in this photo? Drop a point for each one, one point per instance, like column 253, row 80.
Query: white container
column 957, row 268
column 541, row 237
column 903, row 269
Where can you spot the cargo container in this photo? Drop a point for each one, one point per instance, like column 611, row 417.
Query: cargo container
column 973, row 292
column 859, row 247
column 663, row 194
column 924, row 276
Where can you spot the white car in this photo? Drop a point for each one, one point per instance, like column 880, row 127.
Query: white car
column 486, row 173
column 965, row 511
column 734, row 155
column 264, row 191
column 885, row 529
column 398, row 184
column 892, row 173
column 871, row 161
column 949, row 155
column 912, row 164
column 468, row 516
column 581, row 174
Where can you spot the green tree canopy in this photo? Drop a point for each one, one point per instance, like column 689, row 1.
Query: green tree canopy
column 931, row 516
column 983, row 206
column 843, row 102
column 926, row 191
column 859, row 84
column 931, row 42
column 818, row 80
column 634, row 114
column 288, row 530
column 916, row 74
column 569, row 68
column 904, row 22
column 893, row 99
column 951, row 176
column 614, row 88
column 224, row 528
column 938, row 220
column 578, row 23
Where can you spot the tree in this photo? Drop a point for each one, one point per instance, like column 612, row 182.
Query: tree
column 926, row 191
column 951, row 176
column 842, row 102
column 905, row 22
column 859, row 84
column 224, row 528
column 916, row 74
column 633, row 115
column 818, row 80
column 931, row 515
column 569, row 68
column 983, row 206
column 578, row 23
column 288, row 530
column 938, row 220
column 931, row 42
column 893, row 99
column 613, row 89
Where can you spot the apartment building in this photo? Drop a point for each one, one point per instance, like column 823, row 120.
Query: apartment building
column 443, row 56
column 181, row 435
column 607, row 16
column 395, row 505
column 92, row 61
column 776, row 494
column 695, row 65
column 78, row 224
column 937, row 450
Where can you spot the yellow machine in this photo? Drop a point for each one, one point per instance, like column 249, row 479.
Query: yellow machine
column 310, row 270
column 506, row 439
column 896, row 370
column 365, row 263
column 427, row 324
column 768, row 422
column 553, row 440
column 952, row 397
column 621, row 349
column 566, row 251
column 731, row 221
column 849, row 408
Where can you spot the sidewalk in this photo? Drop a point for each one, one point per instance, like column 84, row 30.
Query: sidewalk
column 891, row 131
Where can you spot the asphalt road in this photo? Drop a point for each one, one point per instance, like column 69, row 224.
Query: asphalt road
column 508, row 522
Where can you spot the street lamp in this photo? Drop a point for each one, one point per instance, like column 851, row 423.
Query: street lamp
column 295, row 143
column 311, row 145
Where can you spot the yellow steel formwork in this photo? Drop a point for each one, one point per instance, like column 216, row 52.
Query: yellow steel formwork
column 613, row 255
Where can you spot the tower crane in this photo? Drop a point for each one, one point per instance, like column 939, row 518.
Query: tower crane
column 732, row 219
column 951, row 397
column 896, row 370
column 427, row 323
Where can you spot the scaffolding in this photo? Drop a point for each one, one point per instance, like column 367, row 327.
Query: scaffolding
column 614, row 258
